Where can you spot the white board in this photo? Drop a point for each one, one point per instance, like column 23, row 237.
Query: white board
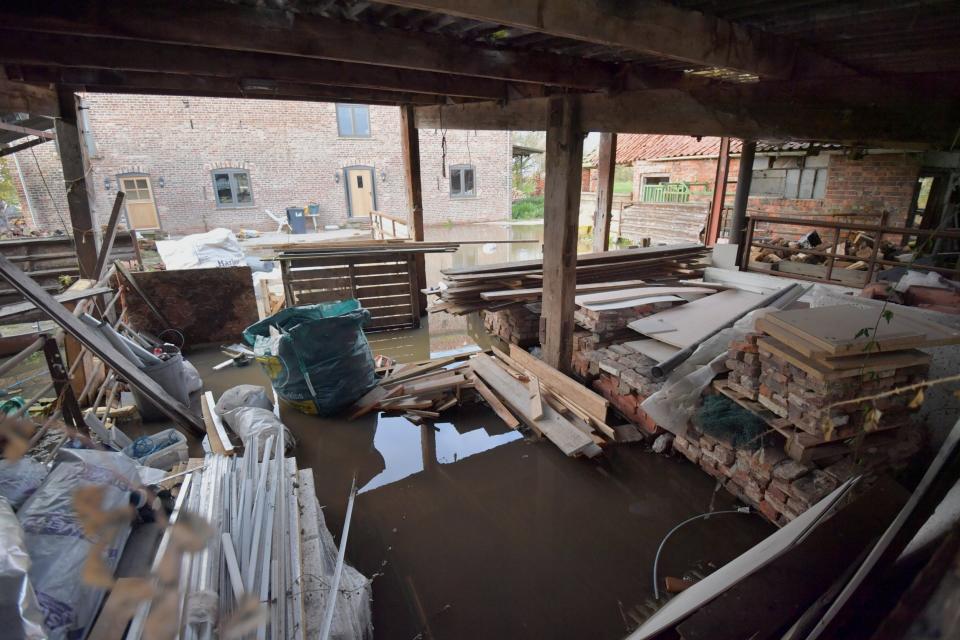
column 633, row 302
column 651, row 348
column 690, row 323
column 633, row 293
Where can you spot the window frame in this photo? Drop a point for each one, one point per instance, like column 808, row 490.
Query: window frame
column 232, row 174
column 352, row 108
column 460, row 194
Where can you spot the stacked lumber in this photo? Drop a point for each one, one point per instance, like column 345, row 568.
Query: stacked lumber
column 349, row 245
column 521, row 390
column 514, row 325
column 468, row 289
column 612, row 311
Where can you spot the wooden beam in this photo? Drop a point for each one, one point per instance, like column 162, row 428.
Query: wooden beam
column 881, row 112
column 410, row 146
column 719, row 193
column 265, row 30
column 738, row 219
column 561, row 210
column 61, row 50
column 606, row 167
column 103, row 81
column 26, row 98
column 26, row 131
column 106, row 246
column 5, row 151
column 652, row 27
column 75, row 182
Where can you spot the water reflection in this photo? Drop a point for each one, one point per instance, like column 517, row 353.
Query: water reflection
column 407, row 448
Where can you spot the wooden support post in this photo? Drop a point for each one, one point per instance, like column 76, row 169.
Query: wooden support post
column 719, row 194
column 738, row 220
column 410, row 143
column 61, row 384
column 607, row 166
column 561, row 211
column 74, row 180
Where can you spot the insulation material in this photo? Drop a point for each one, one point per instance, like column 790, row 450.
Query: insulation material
column 19, row 479
column 58, row 544
column 243, row 395
column 20, row 615
column 255, row 425
column 217, row 248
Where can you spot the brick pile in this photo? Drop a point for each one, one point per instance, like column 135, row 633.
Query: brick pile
column 805, row 400
column 515, row 325
column 779, row 487
column 743, row 362
column 622, row 376
column 606, row 321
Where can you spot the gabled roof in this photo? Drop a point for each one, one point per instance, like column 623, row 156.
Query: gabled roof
column 639, row 146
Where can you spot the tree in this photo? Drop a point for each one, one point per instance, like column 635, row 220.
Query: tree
column 8, row 190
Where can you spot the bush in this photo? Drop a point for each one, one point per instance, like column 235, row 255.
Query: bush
column 530, row 208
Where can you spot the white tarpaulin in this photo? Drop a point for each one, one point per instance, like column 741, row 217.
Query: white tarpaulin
column 217, row 248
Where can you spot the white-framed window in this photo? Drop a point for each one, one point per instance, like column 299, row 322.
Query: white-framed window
column 463, row 182
column 353, row 120
column 231, row 188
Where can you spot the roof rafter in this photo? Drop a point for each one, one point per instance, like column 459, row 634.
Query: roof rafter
column 653, row 27
column 257, row 29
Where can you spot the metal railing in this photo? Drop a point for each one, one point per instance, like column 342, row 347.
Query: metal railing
column 383, row 226
column 672, row 192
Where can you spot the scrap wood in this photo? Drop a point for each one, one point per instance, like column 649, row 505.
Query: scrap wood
column 592, row 403
column 516, row 396
column 372, row 399
column 404, row 372
column 536, row 401
column 498, row 407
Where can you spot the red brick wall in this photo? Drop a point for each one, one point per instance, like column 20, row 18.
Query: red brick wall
column 291, row 149
column 870, row 185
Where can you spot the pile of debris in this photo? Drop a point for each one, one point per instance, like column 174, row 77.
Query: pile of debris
column 853, row 253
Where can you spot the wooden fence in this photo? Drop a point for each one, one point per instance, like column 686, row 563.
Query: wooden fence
column 384, row 226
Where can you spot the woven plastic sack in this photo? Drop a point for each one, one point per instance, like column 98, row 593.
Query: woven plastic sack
column 317, row 357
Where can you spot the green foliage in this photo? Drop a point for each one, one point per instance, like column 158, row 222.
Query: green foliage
column 530, row 208
column 8, row 191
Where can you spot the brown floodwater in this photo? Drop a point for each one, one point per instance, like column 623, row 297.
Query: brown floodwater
column 472, row 531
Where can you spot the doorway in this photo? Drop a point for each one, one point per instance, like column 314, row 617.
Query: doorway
column 141, row 207
column 361, row 194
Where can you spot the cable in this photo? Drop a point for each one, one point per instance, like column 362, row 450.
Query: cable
column 56, row 207
column 656, row 558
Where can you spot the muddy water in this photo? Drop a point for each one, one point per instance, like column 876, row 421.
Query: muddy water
column 475, row 532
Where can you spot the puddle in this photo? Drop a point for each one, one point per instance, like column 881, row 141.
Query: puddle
column 408, row 448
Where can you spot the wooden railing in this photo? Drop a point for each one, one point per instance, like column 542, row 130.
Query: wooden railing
column 828, row 248
column 384, row 225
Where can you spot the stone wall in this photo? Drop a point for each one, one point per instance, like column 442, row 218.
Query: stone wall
column 291, row 150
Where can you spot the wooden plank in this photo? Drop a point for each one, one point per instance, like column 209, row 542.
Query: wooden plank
column 516, row 397
column 97, row 344
column 418, row 369
column 593, row 403
column 535, row 293
column 561, row 210
column 688, row 324
column 374, row 291
column 216, row 445
column 498, row 407
column 71, row 295
column 372, row 399
column 634, row 293
column 109, row 236
column 854, row 366
column 536, row 400
column 833, row 330
column 606, row 165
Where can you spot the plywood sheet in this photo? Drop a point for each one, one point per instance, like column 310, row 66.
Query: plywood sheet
column 632, row 293
column 632, row 302
column 832, row 331
column 688, row 324
column 864, row 363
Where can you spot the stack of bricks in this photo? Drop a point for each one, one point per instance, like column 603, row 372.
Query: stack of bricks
column 622, row 376
column 743, row 362
column 515, row 325
column 806, row 400
column 606, row 321
column 586, row 342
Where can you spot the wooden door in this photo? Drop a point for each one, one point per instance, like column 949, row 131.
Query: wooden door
column 141, row 208
column 360, row 185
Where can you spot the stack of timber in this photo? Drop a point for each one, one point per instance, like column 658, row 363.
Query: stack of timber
column 382, row 275
column 824, row 381
column 522, row 390
column 468, row 289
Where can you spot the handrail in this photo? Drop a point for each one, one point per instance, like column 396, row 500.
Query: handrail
column 378, row 228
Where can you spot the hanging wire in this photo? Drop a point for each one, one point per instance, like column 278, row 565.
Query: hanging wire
column 56, row 207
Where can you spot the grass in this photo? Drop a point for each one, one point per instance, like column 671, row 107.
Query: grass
column 530, row 208
column 623, row 187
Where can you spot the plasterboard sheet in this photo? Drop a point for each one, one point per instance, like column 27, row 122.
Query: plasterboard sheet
column 633, row 293
column 688, row 324
column 634, row 302
column 655, row 349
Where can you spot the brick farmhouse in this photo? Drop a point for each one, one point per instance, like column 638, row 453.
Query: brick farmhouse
column 191, row 164
column 673, row 179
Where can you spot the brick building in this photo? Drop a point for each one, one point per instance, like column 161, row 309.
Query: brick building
column 191, row 164
column 673, row 179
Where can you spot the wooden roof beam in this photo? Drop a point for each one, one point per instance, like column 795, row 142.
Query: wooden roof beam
column 652, row 27
column 45, row 49
column 102, row 81
column 259, row 29
column 853, row 112
column 38, row 100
